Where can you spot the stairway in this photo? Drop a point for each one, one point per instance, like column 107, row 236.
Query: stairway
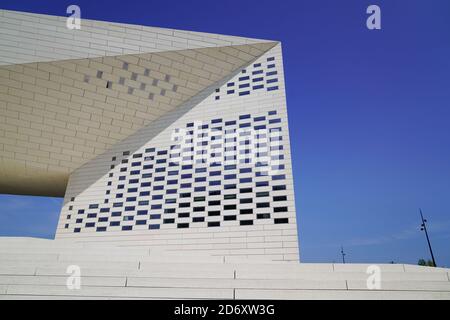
column 36, row 269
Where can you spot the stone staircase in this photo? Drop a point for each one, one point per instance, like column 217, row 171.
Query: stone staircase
column 37, row 269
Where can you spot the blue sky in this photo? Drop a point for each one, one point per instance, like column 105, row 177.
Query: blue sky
column 368, row 110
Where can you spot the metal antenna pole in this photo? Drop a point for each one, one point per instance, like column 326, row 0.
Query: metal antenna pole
column 343, row 254
column 423, row 227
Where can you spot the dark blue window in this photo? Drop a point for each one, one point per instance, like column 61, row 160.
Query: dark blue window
column 244, row 93
column 272, row 88
column 214, row 224
column 127, row 228
column 153, row 226
column 278, row 120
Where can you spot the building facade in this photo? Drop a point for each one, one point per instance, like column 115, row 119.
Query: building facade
column 163, row 138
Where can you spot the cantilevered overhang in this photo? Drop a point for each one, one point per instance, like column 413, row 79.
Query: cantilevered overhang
column 58, row 114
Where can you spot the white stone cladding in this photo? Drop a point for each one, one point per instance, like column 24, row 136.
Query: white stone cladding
column 262, row 239
column 89, row 113
column 29, row 37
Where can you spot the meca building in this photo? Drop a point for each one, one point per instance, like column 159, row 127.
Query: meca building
column 155, row 137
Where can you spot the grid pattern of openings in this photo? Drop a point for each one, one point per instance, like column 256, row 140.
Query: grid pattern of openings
column 207, row 178
column 254, row 78
column 137, row 82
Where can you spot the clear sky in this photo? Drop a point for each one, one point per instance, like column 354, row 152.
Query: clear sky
column 369, row 116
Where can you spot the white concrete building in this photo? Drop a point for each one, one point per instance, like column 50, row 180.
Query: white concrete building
column 171, row 149
column 171, row 139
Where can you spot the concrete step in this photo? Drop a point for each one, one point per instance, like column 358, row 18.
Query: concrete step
column 62, row 280
column 119, row 292
column 339, row 294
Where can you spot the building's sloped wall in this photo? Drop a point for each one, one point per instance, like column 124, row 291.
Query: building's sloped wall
column 29, row 37
column 56, row 116
column 158, row 192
